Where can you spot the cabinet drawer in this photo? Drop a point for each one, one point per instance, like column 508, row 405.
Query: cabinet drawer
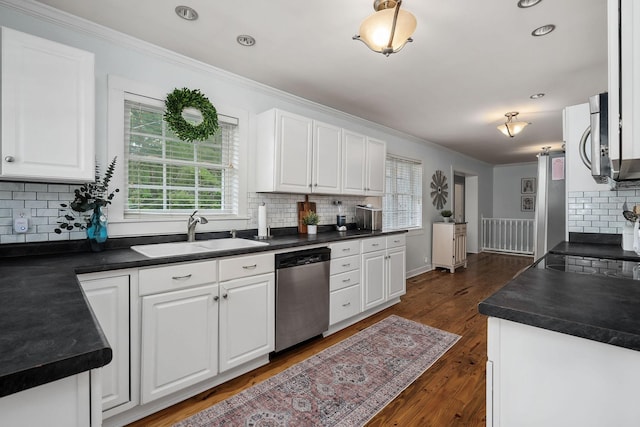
column 344, row 303
column 373, row 244
column 341, row 265
column 461, row 228
column 176, row 276
column 251, row 265
column 342, row 249
column 343, row 280
column 396, row 241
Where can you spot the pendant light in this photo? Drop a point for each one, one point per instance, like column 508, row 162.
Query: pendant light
column 511, row 128
column 388, row 29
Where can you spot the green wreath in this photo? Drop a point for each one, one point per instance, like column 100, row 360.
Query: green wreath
column 183, row 98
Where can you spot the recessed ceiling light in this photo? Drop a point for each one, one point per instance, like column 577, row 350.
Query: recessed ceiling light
column 527, row 3
column 537, row 95
column 245, row 40
column 543, row 31
column 185, row 12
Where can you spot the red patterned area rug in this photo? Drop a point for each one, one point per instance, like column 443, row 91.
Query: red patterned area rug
column 343, row 385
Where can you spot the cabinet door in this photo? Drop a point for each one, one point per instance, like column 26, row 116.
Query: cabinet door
column 247, row 319
column 326, row 158
column 443, row 245
column 294, row 141
column 109, row 300
column 179, row 340
column 375, row 167
column 354, row 148
column 373, row 279
column 396, row 272
column 47, row 110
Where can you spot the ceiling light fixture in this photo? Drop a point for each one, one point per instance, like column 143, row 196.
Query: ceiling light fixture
column 389, row 29
column 543, row 31
column 511, row 128
column 537, row 95
column 527, row 3
column 185, row 12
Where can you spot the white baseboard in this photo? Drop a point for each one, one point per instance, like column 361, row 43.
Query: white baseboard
column 418, row 271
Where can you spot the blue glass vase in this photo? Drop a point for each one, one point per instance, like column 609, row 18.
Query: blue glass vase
column 97, row 230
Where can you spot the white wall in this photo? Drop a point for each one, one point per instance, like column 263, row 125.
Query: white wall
column 507, row 189
column 120, row 55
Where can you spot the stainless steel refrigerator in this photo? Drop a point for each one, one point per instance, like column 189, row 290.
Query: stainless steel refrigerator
column 550, row 208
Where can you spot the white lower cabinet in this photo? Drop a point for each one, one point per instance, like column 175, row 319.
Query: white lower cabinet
column 247, row 319
column 344, row 297
column 537, row 377
column 383, row 270
column 194, row 327
column 109, row 296
column 179, row 340
column 62, row 403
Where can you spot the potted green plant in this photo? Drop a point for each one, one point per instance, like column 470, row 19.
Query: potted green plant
column 446, row 215
column 85, row 211
column 311, row 219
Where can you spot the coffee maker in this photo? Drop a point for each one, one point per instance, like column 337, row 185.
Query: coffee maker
column 341, row 219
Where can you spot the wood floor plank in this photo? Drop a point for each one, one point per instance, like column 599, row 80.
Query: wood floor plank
column 449, row 393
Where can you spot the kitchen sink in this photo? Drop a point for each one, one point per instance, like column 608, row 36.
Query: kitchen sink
column 158, row 250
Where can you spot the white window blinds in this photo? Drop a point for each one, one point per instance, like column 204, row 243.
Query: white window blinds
column 402, row 201
column 167, row 175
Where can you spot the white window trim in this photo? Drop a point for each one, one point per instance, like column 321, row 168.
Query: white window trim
column 417, row 230
column 162, row 224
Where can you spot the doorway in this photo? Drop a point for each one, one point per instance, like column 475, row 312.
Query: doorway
column 458, row 198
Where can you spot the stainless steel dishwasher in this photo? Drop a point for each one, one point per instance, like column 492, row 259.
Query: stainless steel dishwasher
column 302, row 295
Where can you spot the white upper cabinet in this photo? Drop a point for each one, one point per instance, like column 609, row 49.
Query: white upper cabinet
column 354, row 148
column 375, row 159
column 284, row 152
column 48, row 105
column 363, row 164
column 624, row 85
column 296, row 154
column 327, row 140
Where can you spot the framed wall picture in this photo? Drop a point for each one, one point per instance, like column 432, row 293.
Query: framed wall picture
column 527, row 203
column 528, row 186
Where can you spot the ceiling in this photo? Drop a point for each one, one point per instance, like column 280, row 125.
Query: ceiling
column 471, row 61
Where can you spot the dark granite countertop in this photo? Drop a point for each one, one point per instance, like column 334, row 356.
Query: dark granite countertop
column 598, row 308
column 48, row 330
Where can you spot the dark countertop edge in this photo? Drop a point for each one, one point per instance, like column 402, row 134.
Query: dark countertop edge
column 112, row 259
column 56, row 370
column 596, row 250
column 581, row 330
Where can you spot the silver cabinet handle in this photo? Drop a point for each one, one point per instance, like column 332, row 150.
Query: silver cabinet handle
column 225, row 296
column 249, row 267
column 216, row 298
column 375, row 244
column 346, row 249
column 346, row 280
column 9, row 159
column 188, row 276
column 346, row 305
column 396, row 241
column 346, row 265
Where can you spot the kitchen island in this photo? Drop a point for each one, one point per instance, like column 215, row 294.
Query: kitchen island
column 563, row 347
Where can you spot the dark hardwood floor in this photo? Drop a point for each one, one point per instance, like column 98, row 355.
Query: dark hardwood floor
column 451, row 392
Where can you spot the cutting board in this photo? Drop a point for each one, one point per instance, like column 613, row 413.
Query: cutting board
column 303, row 208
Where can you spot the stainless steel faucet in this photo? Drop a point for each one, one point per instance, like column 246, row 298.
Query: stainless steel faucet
column 191, row 225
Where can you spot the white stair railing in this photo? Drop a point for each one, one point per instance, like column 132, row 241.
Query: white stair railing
column 508, row 235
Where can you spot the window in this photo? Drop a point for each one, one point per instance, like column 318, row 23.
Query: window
column 166, row 175
column 402, row 201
